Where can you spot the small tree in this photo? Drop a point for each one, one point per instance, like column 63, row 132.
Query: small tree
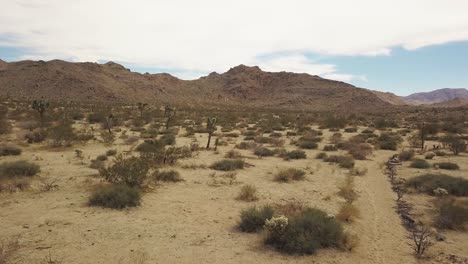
column 421, row 239
column 211, row 127
column 40, row 106
column 169, row 113
column 422, row 134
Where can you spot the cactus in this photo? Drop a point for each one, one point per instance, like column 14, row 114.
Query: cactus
column 169, row 113
column 40, row 106
column 141, row 107
column 211, row 127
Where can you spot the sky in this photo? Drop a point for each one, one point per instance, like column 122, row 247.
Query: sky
column 399, row 46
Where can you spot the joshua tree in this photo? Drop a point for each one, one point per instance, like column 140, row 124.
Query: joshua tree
column 211, row 127
column 40, row 106
column 141, row 107
column 169, row 113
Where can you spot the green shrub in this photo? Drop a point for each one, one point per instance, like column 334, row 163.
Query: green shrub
column 406, row 155
column 451, row 215
column 420, row 164
column 389, row 141
column 228, row 165
column 296, row 154
column 116, row 196
column 306, row 232
column 263, row 152
column 9, row 150
column 289, row 174
column 252, row 219
column 447, row 165
column 429, row 182
column 19, row 168
column 131, row 171
column 167, row 176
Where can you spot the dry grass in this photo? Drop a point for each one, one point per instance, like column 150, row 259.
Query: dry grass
column 247, row 193
column 348, row 213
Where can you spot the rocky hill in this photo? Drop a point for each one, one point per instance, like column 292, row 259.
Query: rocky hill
column 240, row 86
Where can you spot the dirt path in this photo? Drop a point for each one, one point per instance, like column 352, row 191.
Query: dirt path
column 381, row 227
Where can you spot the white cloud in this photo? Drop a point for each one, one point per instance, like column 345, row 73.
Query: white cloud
column 214, row 35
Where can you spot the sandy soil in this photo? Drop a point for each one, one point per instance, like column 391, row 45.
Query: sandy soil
column 195, row 222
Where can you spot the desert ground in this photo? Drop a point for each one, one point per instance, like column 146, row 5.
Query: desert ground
column 196, row 219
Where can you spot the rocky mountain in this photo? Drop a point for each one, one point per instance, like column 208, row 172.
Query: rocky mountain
column 240, row 86
column 390, row 98
column 437, row 96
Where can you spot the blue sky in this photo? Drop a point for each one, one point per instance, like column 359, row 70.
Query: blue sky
column 399, row 46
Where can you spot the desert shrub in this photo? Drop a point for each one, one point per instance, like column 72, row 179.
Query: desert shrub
column 19, row 168
column 276, row 135
column 451, row 215
column 247, row 193
column 263, row 152
column 107, row 137
column 247, row 138
column 296, row 154
column 116, row 196
column 367, row 131
column 307, row 144
column 360, row 151
column 97, row 164
column 348, row 213
column 131, row 171
column 102, row 157
column 440, row 153
column 429, row 155
column 150, row 146
column 289, row 174
column 14, row 184
column 406, row 155
column 9, row 150
column 447, row 166
column 167, row 176
column 36, row 136
column 330, row 148
column 321, row 155
column 228, row 165
column 291, row 134
column 420, row 164
column 246, row 145
column 389, row 141
column 111, row 152
column 252, row 219
column 455, row 143
column 350, row 130
column 61, row 134
column 95, row 118
column 306, row 232
column 345, row 162
column 263, row 140
column 249, row 133
column 167, row 139
column 429, row 182
column 335, row 122
column 232, row 154
column 346, row 190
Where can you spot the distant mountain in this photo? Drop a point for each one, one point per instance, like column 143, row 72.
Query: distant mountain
column 240, row 86
column 457, row 102
column 436, row 96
